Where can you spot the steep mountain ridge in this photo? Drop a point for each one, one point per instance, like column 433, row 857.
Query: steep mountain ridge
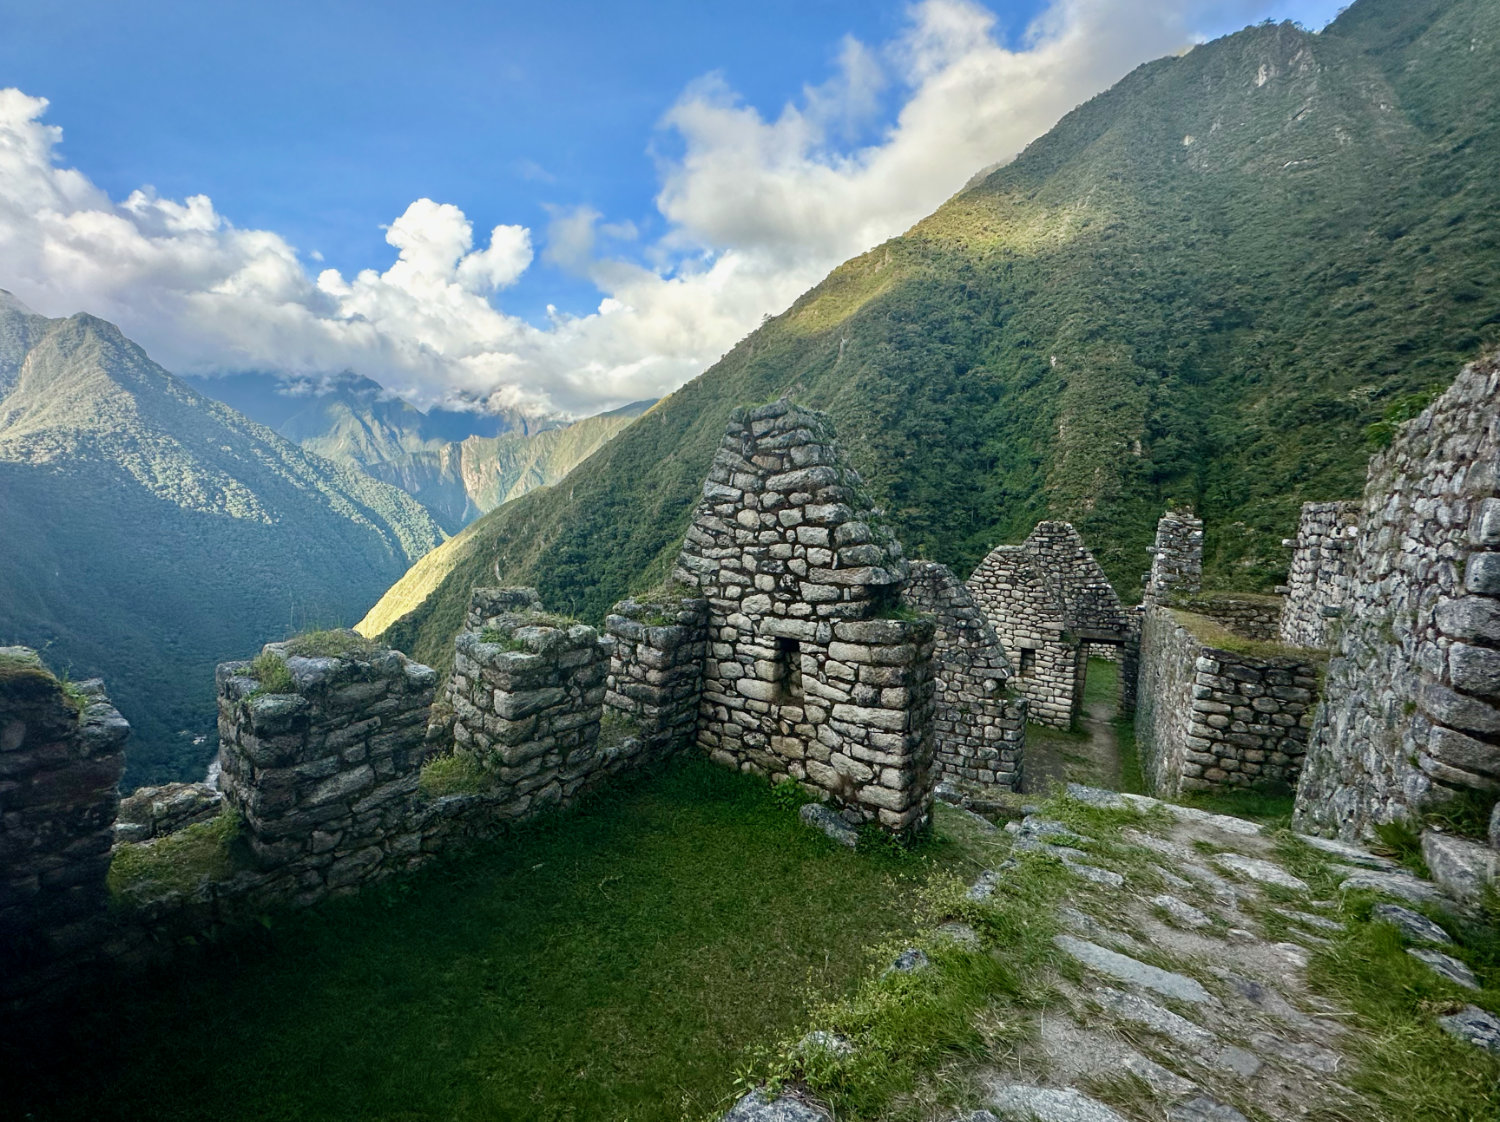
column 150, row 531
column 458, row 465
column 1201, row 286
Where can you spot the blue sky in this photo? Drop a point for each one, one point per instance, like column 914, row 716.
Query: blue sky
column 321, row 123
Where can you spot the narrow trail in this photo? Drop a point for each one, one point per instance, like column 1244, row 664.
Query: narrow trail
column 1090, row 754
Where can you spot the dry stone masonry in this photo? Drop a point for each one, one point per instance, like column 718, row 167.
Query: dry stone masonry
column 1176, row 558
column 528, row 693
column 154, row 812
column 655, row 680
column 1318, row 583
column 1246, row 614
column 62, row 752
column 324, row 777
column 1208, row 717
column 1047, row 598
column 1411, row 718
column 805, row 676
column 980, row 727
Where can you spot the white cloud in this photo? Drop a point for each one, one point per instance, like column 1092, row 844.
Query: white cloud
column 756, row 210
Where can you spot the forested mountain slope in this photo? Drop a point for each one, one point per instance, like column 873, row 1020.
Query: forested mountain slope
column 1201, row 286
column 147, row 533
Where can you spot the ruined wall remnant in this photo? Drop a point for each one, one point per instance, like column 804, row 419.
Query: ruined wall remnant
column 1247, row 614
column 1176, row 558
column 1411, row 711
column 804, row 678
column 1211, row 717
column 1046, row 599
column 154, row 812
column 61, row 757
column 979, row 729
column 324, row 776
column 655, row 680
column 1318, row 582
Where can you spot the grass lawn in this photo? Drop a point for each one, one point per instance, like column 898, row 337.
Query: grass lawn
column 612, row 963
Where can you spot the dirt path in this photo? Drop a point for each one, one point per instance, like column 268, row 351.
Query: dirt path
column 1088, row 755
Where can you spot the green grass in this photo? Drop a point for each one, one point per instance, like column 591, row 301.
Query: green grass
column 611, row 963
column 177, row 862
column 1269, row 804
column 1215, row 634
column 270, row 670
column 334, row 643
column 457, row 773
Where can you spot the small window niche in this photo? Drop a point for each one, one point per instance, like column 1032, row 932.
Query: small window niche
column 1028, row 662
column 789, row 656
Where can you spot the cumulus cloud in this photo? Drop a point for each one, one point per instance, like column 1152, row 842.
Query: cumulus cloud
column 756, row 210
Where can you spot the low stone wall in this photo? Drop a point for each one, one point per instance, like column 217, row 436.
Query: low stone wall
column 154, row 812
column 61, row 757
column 979, row 730
column 1318, row 581
column 1245, row 614
column 1208, row 717
column 528, row 694
column 325, row 777
column 656, row 670
column 1411, row 717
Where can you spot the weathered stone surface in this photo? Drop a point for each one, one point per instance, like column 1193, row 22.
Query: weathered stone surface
column 910, row 961
column 1184, row 915
column 1134, row 972
column 1202, row 1108
column 1462, row 867
column 1415, row 926
column 1256, row 869
column 1454, row 969
column 1301, row 1053
column 756, row 1107
column 1048, row 1104
column 1477, row 1026
column 1157, row 1018
column 1403, row 886
column 1348, row 853
column 822, row 818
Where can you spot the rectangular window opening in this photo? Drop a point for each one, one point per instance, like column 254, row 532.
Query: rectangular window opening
column 789, row 655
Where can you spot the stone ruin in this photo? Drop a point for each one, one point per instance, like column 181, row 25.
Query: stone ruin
column 1411, row 717
column 324, row 777
column 1317, row 586
column 1212, row 711
column 1049, row 601
column 811, row 673
column 980, row 727
column 62, row 752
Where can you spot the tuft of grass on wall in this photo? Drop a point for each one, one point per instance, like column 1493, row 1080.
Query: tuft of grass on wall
column 201, row 852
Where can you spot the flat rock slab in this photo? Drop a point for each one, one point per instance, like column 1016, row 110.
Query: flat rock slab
column 1019, row 1103
column 1463, row 867
column 1157, row 1018
column 1134, row 972
column 820, row 817
column 1475, row 1025
column 1166, row 848
column 1096, row 796
column 1201, row 1108
column 1403, row 886
column 1307, row 919
column 1183, row 915
column 1258, row 870
column 1094, row 873
column 1305, row 1055
column 960, row 933
column 1455, row 970
column 1222, row 822
column 1351, row 854
column 1414, row 925
column 755, row 1107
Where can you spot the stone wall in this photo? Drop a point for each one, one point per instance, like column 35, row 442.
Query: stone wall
column 1246, row 614
column 325, row 777
column 1411, row 717
column 61, row 757
column 528, row 693
column 1046, row 598
column 656, row 670
column 1318, row 582
column 979, row 729
column 803, row 677
column 1208, row 717
column 1176, row 557
column 154, row 812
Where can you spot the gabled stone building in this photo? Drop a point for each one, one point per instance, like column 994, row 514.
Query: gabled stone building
column 1048, row 600
column 811, row 672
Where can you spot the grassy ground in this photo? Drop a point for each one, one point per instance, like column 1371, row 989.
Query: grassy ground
column 613, row 963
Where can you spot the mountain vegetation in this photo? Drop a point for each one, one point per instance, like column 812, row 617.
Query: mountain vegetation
column 149, row 532
column 457, row 464
column 1202, row 287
